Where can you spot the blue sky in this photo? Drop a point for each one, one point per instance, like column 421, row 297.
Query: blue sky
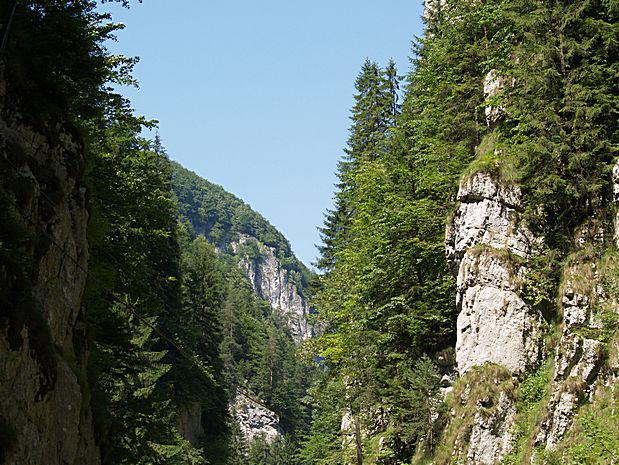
column 256, row 95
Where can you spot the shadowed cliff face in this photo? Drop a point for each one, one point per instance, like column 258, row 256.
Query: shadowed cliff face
column 43, row 393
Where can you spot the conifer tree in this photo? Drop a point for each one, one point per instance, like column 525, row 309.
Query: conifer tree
column 373, row 119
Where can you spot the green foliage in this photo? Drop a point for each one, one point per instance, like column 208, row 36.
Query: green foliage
column 532, row 397
column 133, row 289
column 256, row 348
column 198, row 324
column 56, row 60
column 259, row 354
column 387, row 296
column 323, row 444
column 279, row 452
column 414, row 408
column 562, row 125
column 58, row 74
column 373, row 115
column 158, row 297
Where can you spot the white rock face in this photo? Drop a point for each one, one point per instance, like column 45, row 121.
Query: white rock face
column 272, row 283
column 491, row 436
column 578, row 358
column 483, row 243
column 494, row 84
column 494, row 323
column 254, row 420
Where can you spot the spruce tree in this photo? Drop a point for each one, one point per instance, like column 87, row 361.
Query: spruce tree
column 373, row 119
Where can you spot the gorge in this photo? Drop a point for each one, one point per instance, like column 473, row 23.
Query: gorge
column 465, row 307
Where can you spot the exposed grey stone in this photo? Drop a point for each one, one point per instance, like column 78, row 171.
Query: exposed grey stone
column 494, row 84
column 487, row 214
column 578, row 358
column 494, row 323
column 255, row 421
column 491, row 437
column 487, row 248
column 483, row 243
column 272, row 283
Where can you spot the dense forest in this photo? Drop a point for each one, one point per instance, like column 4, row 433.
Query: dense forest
column 147, row 316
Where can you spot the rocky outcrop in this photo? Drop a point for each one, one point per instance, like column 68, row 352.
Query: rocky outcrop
column 254, row 420
column 486, row 247
column 190, row 422
column 481, row 418
column 580, row 353
column 273, row 283
column 490, row 251
column 44, row 401
column 491, row 436
column 494, row 84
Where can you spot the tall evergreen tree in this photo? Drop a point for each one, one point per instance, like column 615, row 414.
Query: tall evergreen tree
column 373, row 119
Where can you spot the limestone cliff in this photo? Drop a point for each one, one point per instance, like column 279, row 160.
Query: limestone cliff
column 44, row 401
column 254, row 419
column 273, row 283
column 491, row 252
column 487, row 249
column 263, row 253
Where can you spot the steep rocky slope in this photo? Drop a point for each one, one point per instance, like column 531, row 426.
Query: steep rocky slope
column 272, row 282
column 502, row 339
column 487, row 250
column 534, row 353
column 44, row 402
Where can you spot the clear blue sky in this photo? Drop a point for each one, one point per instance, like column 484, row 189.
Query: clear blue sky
column 256, row 95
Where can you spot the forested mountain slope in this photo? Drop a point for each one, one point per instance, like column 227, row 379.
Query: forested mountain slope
column 469, row 297
column 237, row 231
column 264, row 314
